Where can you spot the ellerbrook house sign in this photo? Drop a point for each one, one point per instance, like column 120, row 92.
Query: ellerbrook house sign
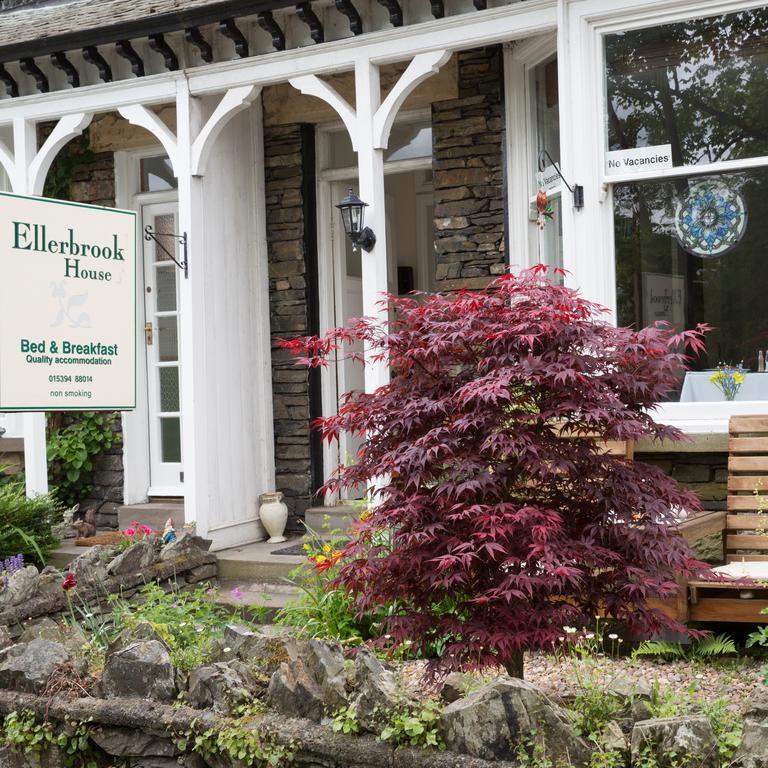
column 67, row 306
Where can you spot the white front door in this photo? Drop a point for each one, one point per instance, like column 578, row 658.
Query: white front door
column 162, row 329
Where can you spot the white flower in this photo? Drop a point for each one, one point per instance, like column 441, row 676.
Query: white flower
column 590, row 636
column 569, row 630
column 613, row 636
column 227, row 650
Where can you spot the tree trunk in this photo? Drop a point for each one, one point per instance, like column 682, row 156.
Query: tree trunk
column 514, row 665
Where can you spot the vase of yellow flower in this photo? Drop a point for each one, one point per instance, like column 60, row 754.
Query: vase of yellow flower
column 274, row 516
column 728, row 379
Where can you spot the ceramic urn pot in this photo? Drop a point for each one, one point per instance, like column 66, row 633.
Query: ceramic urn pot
column 274, row 516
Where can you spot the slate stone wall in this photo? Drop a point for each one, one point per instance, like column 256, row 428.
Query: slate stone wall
column 468, row 172
column 285, row 147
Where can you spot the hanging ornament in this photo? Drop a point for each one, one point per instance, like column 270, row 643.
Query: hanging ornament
column 711, row 219
column 544, row 208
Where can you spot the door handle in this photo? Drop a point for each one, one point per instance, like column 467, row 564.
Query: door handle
column 149, row 332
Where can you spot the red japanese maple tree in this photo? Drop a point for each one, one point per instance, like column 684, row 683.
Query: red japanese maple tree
column 505, row 519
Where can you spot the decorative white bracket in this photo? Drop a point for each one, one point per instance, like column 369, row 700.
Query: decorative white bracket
column 28, row 176
column 312, row 85
column 421, row 67
column 138, row 114
column 69, row 127
column 234, row 101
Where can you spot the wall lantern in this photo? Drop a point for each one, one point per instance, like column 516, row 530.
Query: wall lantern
column 353, row 215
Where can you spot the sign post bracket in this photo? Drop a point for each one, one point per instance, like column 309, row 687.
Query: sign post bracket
column 182, row 238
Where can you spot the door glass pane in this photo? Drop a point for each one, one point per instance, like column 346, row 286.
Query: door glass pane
column 165, row 281
column 169, row 389
column 167, row 339
column 687, row 253
column 170, row 439
column 165, row 227
column 409, row 140
column 700, row 86
column 546, row 109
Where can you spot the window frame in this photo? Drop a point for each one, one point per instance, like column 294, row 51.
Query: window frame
column 591, row 260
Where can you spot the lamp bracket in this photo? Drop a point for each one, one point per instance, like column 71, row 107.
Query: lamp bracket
column 149, row 234
column 366, row 239
column 576, row 190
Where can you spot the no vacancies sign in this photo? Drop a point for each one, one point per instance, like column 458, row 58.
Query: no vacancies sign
column 67, row 306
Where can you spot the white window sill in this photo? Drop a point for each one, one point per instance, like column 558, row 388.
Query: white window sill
column 699, row 418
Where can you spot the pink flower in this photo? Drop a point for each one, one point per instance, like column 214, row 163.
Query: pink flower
column 130, row 532
column 237, row 593
column 145, row 529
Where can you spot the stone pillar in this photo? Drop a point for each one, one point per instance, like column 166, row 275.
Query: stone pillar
column 285, row 188
column 468, row 170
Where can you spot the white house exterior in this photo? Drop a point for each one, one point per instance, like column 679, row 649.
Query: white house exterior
column 183, row 93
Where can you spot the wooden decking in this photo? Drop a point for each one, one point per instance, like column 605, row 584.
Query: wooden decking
column 744, row 528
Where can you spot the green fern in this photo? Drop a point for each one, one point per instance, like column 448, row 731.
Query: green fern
column 706, row 648
column 714, row 645
column 661, row 648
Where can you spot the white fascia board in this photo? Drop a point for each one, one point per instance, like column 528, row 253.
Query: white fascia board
column 101, row 97
column 495, row 25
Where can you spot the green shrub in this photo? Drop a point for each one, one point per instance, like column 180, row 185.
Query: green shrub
column 25, row 524
column 188, row 622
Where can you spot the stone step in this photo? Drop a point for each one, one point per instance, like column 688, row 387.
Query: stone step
column 331, row 521
column 256, row 563
column 154, row 514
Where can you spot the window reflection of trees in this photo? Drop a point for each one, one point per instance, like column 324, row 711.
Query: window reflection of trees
column 700, row 85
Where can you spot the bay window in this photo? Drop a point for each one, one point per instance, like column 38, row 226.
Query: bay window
column 686, row 122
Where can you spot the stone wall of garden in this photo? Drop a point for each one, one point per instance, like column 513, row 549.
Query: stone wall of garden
column 468, row 174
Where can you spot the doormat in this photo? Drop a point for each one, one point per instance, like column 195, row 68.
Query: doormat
column 298, row 549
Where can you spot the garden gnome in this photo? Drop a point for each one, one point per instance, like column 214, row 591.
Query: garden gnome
column 169, row 533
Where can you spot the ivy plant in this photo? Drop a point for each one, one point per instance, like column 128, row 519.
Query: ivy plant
column 71, row 451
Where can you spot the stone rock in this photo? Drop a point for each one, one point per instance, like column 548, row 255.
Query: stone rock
column 128, row 742
column 753, row 750
column 141, row 669
column 376, row 691
column 614, row 739
column 28, row 667
column 219, row 686
column 312, row 684
column 454, row 687
column 186, row 546
column 50, row 758
column 670, row 739
column 6, row 641
column 636, row 695
column 136, row 559
column 91, row 567
column 492, row 721
column 262, row 650
column 201, row 573
column 22, row 585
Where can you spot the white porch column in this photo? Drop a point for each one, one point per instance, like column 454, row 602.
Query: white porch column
column 33, row 424
column 369, row 126
column 370, row 163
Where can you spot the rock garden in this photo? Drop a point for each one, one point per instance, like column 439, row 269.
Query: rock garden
column 496, row 604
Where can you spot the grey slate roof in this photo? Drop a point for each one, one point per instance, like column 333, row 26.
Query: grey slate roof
column 42, row 21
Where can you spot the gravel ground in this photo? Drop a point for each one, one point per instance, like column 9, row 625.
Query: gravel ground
column 732, row 679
